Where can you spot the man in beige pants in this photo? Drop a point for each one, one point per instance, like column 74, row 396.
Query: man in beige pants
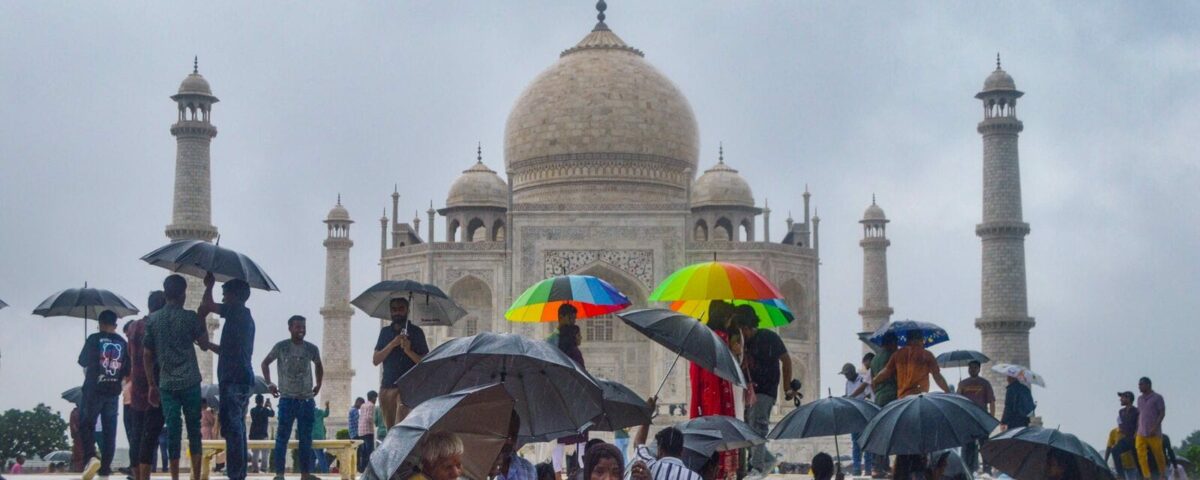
column 400, row 346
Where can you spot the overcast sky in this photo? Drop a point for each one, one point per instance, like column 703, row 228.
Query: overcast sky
column 850, row 98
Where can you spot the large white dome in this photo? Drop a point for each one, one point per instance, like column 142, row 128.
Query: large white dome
column 601, row 115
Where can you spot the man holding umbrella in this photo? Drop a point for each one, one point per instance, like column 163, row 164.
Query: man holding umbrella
column 235, row 373
column 175, row 383
column 105, row 359
column 767, row 355
column 912, row 366
column 400, row 346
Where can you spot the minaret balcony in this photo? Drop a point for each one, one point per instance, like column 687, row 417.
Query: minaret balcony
column 191, row 232
column 193, row 128
column 1005, row 324
column 1002, row 229
column 1008, row 125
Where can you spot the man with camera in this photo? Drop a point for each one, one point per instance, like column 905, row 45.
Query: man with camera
column 767, row 356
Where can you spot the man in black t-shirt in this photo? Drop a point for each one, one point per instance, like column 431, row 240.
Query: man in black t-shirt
column 105, row 359
column 400, row 346
column 259, row 416
column 766, row 355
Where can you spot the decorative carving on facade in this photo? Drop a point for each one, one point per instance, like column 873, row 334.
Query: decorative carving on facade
column 453, row 274
column 637, row 263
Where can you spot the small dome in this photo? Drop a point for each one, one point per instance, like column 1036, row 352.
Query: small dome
column 478, row 186
column 195, row 84
column 999, row 80
column 338, row 213
column 721, row 186
column 874, row 213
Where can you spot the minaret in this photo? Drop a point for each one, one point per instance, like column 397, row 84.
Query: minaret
column 875, row 310
column 1005, row 322
column 335, row 342
column 191, row 213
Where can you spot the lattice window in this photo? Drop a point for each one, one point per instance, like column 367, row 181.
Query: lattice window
column 599, row 329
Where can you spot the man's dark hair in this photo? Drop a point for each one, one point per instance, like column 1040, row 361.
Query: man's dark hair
column 566, row 307
column 545, row 471
column 127, row 326
column 973, row 363
column 359, row 399
column 174, row 286
column 258, row 399
column 1146, row 380
column 156, row 301
column 372, row 395
column 670, row 442
column 890, row 338
column 822, row 466
column 868, row 357
column 745, row 321
column 108, row 317
column 600, row 451
column 296, row 318
column 239, row 288
column 398, row 300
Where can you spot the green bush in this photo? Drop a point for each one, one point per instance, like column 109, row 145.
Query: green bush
column 343, row 434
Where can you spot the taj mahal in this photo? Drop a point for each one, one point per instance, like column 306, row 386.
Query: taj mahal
column 603, row 175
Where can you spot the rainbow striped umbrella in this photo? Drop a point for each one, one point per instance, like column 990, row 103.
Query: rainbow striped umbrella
column 771, row 313
column 591, row 297
column 715, row 281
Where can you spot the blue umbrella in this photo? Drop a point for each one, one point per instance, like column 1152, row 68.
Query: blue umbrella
column 906, row 329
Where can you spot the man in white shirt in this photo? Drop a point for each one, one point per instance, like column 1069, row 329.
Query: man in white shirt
column 666, row 464
column 858, row 386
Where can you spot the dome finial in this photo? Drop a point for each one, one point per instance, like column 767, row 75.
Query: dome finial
column 872, row 199
column 600, row 8
column 721, row 152
column 196, row 65
column 997, row 60
column 339, row 199
column 479, row 152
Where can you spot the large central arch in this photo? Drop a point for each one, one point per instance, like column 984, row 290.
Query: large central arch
column 620, row 352
column 475, row 296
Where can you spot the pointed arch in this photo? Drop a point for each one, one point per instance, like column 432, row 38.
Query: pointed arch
column 475, row 296
column 794, row 296
column 723, row 231
column 747, row 231
column 476, row 231
column 498, row 230
column 700, row 232
column 452, row 230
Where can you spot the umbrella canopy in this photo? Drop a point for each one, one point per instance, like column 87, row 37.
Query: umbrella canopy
column 771, row 313
column 211, row 392
column 478, row 416
column 73, row 395
column 698, row 447
column 911, row 329
column 199, row 258
column 825, row 417
column 554, row 397
column 714, row 281
column 865, row 338
column 591, row 297
column 2, row 304
column 734, row 433
column 1022, row 374
column 926, row 423
column 960, row 358
column 86, row 303
column 1022, row 453
column 687, row 337
column 58, row 456
column 622, row 407
column 956, row 468
column 428, row 304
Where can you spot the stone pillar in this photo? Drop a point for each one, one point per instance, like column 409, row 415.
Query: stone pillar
column 1004, row 322
column 335, row 343
column 875, row 309
column 191, row 212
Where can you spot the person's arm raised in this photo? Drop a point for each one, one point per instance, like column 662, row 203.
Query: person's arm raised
column 644, row 430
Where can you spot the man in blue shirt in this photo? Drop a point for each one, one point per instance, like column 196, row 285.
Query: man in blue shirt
column 235, row 373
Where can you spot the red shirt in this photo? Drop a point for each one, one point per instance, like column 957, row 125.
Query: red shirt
column 140, row 388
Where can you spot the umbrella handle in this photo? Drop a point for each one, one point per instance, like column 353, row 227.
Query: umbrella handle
column 837, row 448
column 668, row 375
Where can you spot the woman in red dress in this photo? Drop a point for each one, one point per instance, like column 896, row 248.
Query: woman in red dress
column 713, row 395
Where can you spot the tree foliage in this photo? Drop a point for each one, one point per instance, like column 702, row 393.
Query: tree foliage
column 35, row 432
column 1193, row 439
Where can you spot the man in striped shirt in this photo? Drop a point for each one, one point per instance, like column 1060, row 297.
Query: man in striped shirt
column 666, row 465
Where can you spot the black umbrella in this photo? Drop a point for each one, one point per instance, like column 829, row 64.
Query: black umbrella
column 554, row 397
column 211, row 392
column 86, row 303
column 428, row 305
column 2, row 304
column 688, row 338
column 199, row 258
column 956, row 468
column 479, row 417
column 1022, row 453
column 960, row 358
column 698, row 447
column 622, row 407
column 825, row 417
column 735, row 433
column 925, row 423
column 73, row 395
